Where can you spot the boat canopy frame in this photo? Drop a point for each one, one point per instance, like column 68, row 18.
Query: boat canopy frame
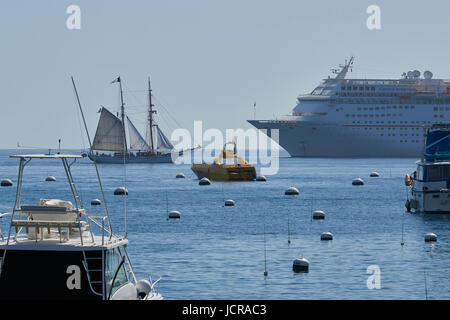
column 19, row 224
column 78, row 205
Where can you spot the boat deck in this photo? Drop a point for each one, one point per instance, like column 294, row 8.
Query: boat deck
column 73, row 243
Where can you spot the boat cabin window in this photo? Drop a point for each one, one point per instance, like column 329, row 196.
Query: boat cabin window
column 113, row 260
column 420, row 173
column 434, row 173
column 447, row 172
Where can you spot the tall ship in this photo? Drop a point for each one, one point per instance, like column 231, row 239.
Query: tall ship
column 111, row 137
column 363, row 117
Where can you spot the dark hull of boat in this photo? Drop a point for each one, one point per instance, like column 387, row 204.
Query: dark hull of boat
column 224, row 173
column 49, row 275
column 157, row 158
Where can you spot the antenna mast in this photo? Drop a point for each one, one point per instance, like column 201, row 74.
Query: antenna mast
column 95, row 163
column 342, row 72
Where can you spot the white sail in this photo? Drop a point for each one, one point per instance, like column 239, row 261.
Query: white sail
column 162, row 141
column 110, row 133
column 136, row 140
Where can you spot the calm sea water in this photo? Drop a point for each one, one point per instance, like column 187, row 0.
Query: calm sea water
column 216, row 252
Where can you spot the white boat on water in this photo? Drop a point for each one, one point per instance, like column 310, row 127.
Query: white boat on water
column 430, row 183
column 51, row 251
column 110, row 141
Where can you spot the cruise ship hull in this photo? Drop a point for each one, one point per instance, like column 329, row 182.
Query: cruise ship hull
column 313, row 139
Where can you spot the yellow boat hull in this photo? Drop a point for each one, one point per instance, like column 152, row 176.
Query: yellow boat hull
column 224, row 172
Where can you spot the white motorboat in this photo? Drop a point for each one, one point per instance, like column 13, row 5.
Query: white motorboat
column 51, row 251
column 430, row 183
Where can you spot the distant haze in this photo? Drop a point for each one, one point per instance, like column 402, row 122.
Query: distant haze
column 208, row 60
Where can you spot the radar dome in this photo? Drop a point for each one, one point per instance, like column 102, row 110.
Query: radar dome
column 410, row 74
column 428, row 74
column 416, row 74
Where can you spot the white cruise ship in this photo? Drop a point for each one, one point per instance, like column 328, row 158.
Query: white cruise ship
column 363, row 117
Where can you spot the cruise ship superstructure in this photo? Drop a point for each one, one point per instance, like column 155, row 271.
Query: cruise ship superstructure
column 363, row 117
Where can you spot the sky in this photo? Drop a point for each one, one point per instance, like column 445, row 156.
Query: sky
column 208, row 60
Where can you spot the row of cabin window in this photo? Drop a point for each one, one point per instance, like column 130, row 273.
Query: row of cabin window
column 356, row 88
column 393, row 122
column 374, row 115
column 367, row 88
column 431, row 173
column 394, row 129
column 387, row 107
column 388, row 101
column 418, row 100
column 344, row 94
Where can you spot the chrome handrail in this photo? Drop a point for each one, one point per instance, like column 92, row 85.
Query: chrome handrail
column 154, row 283
column 1, row 231
column 103, row 230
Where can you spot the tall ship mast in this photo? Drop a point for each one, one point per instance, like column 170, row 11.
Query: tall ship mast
column 363, row 117
column 111, row 137
column 150, row 117
column 122, row 115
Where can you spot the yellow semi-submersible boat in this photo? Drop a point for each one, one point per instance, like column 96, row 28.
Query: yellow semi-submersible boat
column 222, row 170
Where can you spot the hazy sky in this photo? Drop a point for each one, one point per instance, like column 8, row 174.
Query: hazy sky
column 208, row 59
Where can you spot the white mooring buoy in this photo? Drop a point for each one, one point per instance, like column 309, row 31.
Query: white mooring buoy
column 204, row 182
column 291, row 191
column 180, row 175
column 374, row 174
column 229, row 203
column 50, row 178
column 300, row 265
column 6, row 183
column 429, row 237
column 261, row 178
column 318, row 215
column 174, row 214
column 120, row 191
column 358, row 182
column 95, row 202
column 326, row 236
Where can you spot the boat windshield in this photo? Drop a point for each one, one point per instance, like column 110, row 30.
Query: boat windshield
column 115, row 272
